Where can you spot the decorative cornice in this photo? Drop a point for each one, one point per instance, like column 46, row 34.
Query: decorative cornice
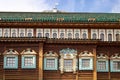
column 28, row 51
column 11, row 52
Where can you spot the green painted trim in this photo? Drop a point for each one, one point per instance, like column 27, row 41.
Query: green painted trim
column 53, row 17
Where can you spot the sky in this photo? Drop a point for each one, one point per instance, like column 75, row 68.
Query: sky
column 105, row 6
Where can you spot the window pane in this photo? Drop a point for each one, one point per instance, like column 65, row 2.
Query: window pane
column 47, row 35
column 69, row 35
column 85, row 63
column 109, row 37
column 39, row 34
column 101, row 65
column 50, row 63
column 117, row 37
column 28, row 61
column 61, row 35
column 94, row 36
column 102, row 36
column 76, row 35
column 116, row 65
column 29, row 34
column 84, row 36
column 68, row 64
column 54, row 35
column 10, row 61
column 21, row 34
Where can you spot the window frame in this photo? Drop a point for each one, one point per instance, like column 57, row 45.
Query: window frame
column 23, row 62
column 84, row 68
column 56, row 63
column 111, row 64
column 106, row 70
column 10, row 67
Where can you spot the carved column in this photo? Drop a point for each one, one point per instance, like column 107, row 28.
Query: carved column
column 40, row 62
column 94, row 65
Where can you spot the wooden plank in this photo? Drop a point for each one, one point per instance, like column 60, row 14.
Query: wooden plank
column 40, row 61
column 94, row 65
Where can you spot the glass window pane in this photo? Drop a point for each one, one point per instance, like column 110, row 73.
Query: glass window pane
column 76, row 35
column 28, row 61
column 50, row 63
column 61, row 35
column 85, row 63
column 101, row 65
column 68, row 64
column 39, row 34
column 116, row 65
column 10, row 61
column 69, row 35
column 47, row 35
column 94, row 36
column 84, row 36
column 109, row 37
column 102, row 36
column 54, row 35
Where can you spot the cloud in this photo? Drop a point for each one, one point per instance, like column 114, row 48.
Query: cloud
column 24, row 5
column 116, row 7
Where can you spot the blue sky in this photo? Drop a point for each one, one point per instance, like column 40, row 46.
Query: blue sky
column 106, row 6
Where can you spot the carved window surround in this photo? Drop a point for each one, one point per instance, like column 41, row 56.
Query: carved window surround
column 102, row 63
column 50, row 61
column 68, row 54
column 85, row 61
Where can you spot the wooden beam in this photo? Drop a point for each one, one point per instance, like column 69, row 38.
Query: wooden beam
column 40, row 66
column 94, row 65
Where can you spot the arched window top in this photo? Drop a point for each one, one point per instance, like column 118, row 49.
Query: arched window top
column 102, row 56
column 85, row 54
column 115, row 56
column 10, row 52
column 50, row 54
column 28, row 51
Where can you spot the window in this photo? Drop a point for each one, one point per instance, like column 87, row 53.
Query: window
column 115, row 66
column 10, row 62
column 54, row 35
column 69, row 35
column 10, row 59
column 6, row 34
column 29, row 32
column 39, row 34
column 68, row 64
column 94, row 36
column 14, row 33
column 102, row 37
column 84, row 36
column 109, row 37
column 102, row 65
column 86, row 63
column 61, row 35
column 47, row 35
column 117, row 37
column 50, row 61
column 21, row 32
column 76, row 35
column 28, row 61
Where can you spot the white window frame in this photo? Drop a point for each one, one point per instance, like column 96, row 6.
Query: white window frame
column 94, row 31
column 84, row 31
column 77, row 31
column 62, row 31
column 54, row 31
column 8, row 31
column 16, row 32
column 47, row 31
column 24, row 31
column 38, row 30
column 102, row 31
column 116, row 31
column 109, row 31
column 69, row 31
column 30, row 29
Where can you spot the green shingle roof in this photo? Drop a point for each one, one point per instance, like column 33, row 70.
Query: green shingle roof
column 58, row 17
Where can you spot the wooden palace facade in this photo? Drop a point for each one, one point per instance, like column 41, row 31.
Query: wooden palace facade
column 59, row 46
